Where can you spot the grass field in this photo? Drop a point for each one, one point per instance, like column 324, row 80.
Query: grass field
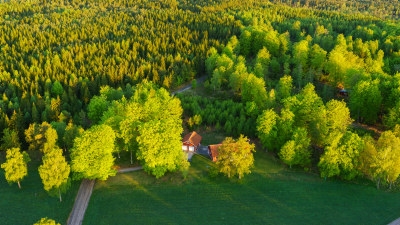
column 272, row 194
column 29, row 204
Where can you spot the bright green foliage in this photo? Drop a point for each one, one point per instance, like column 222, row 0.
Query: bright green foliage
column 340, row 61
column 157, row 129
column 300, row 60
column 304, row 105
column 261, row 65
column 113, row 117
column 331, row 121
column 54, row 172
column 195, row 121
column 245, row 43
column 97, row 106
column 10, row 139
column 253, row 89
column 46, row 221
column 91, row 155
column 285, row 87
column 318, row 58
column 15, row 167
column 296, row 151
column 235, row 157
column 385, row 166
column 365, row 101
column 393, row 116
column 267, row 128
column 342, row 157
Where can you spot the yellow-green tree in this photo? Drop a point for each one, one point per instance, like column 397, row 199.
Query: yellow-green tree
column 235, row 157
column 46, row 221
column 54, row 172
column 154, row 122
column 91, row 156
column 15, row 167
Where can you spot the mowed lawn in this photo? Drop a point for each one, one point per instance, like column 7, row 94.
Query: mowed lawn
column 29, row 204
column 272, row 194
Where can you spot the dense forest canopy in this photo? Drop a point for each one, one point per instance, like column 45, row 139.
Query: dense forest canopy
column 280, row 63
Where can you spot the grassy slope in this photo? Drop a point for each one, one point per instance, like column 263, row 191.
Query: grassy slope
column 270, row 195
column 29, row 204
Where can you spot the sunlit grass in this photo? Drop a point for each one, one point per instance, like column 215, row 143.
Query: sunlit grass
column 271, row 194
column 29, row 204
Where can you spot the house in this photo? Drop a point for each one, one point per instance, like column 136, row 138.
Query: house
column 191, row 142
column 213, row 151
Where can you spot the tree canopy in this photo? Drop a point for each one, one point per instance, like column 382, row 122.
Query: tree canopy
column 91, row 155
column 235, row 157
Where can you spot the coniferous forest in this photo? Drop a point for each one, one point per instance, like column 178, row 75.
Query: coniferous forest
column 306, row 79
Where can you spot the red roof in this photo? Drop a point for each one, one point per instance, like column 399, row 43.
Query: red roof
column 192, row 138
column 214, row 149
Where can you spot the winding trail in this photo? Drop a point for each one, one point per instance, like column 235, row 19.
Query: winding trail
column 82, row 198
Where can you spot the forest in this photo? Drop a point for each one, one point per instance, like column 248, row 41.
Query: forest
column 300, row 77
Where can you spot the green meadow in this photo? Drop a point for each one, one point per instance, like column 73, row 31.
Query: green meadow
column 272, row 194
column 30, row 203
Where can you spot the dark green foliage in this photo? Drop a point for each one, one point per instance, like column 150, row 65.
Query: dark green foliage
column 213, row 112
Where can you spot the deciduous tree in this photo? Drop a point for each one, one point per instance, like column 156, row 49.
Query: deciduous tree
column 54, row 172
column 91, row 155
column 46, row 221
column 15, row 167
column 235, row 157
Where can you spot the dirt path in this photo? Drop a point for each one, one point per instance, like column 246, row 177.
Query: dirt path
column 82, row 198
column 189, row 86
column 396, row 222
column 85, row 190
column 81, row 202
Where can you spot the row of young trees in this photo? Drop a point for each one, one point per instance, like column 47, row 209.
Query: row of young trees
column 226, row 115
column 148, row 124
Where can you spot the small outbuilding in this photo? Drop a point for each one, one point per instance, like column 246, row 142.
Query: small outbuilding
column 213, row 152
column 191, row 142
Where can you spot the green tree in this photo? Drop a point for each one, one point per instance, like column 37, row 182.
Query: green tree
column 97, row 106
column 235, row 157
column 55, row 172
column 393, row 116
column 296, row 151
column 157, row 130
column 16, row 165
column 253, row 89
column 262, row 62
column 46, row 221
column 331, row 121
column 386, row 160
column 285, row 87
column 267, row 129
column 41, row 137
column 300, row 60
column 91, row 155
column 365, row 101
column 10, row 139
column 71, row 132
column 342, row 157
column 57, row 88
